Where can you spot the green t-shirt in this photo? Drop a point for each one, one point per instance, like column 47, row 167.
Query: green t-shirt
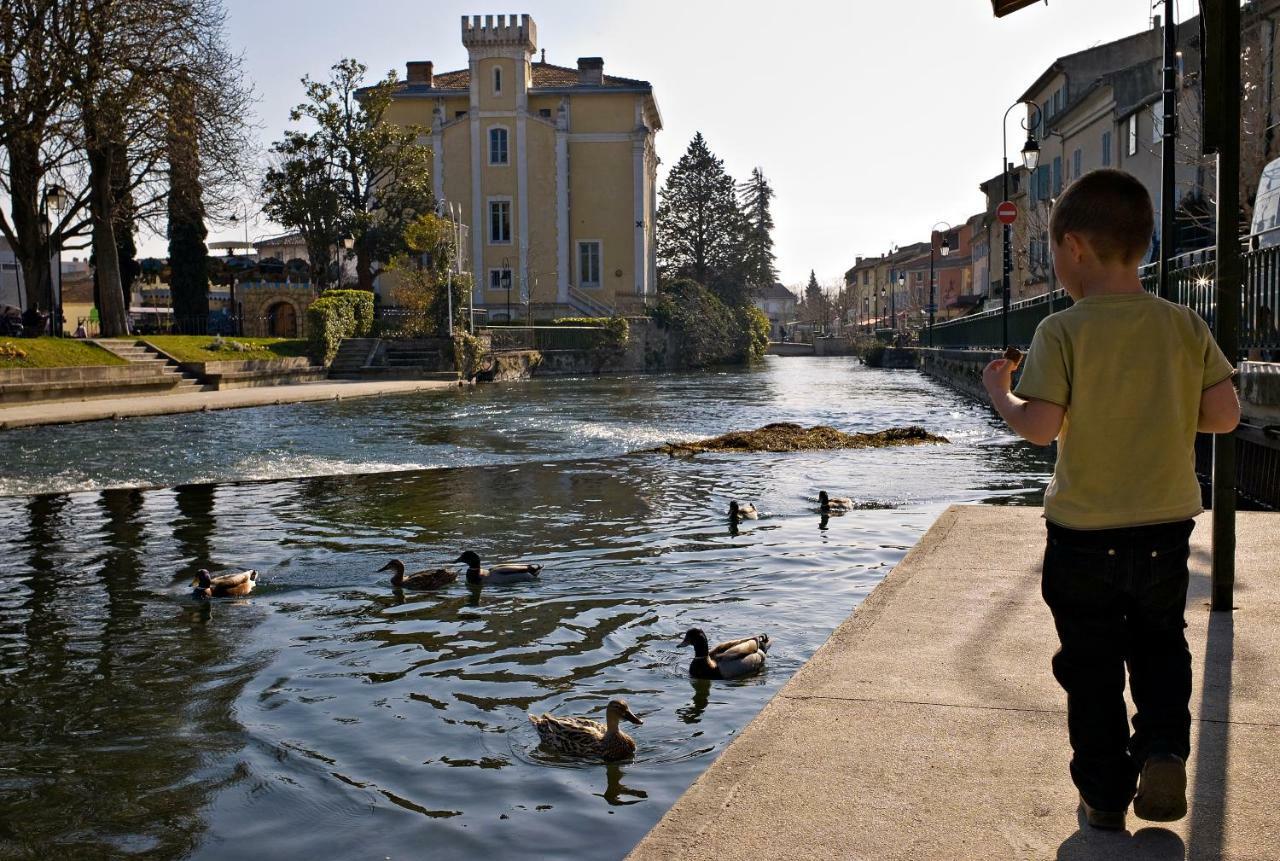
column 1130, row 369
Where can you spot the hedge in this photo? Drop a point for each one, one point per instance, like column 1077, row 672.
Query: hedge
column 337, row 314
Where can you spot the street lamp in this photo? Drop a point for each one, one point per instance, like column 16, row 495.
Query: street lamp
column 944, row 251
column 506, row 283
column 55, row 199
column 1030, row 158
column 893, row 310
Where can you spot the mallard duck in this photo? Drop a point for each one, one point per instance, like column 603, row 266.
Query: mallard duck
column 834, row 503
column 418, row 579
column 507, row 572
column 743, row 511
column 587, row 738
column 729, row 660
column 224, row 585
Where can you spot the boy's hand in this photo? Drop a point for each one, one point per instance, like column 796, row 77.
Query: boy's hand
column 997, row 377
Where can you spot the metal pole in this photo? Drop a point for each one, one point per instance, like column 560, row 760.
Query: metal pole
column 931, row 289
column 1167, row 154
column 1007, row 266
column 1227, row 285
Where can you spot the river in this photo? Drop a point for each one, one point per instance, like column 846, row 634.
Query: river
column 327, row 716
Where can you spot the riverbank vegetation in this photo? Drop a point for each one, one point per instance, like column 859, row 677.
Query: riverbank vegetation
column 54, row 353
column 786, row 436
column 203, row 348
column 337, row 314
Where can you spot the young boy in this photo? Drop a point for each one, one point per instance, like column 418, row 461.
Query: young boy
column 1123, row 380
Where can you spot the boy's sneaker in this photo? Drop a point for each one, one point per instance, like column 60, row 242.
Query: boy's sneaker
column 1109, row 820
column 1162, row 791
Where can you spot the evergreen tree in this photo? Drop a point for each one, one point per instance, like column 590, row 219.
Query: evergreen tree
column 700, row 224
column 756, row 255
column 188, row 256
column 814, row 300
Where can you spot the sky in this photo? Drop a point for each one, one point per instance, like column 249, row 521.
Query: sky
column 872, row 121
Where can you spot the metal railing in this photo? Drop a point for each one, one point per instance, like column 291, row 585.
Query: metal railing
column 1191, row 284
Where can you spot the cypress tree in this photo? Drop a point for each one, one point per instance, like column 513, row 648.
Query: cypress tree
column 756, row 256
column 188, row 256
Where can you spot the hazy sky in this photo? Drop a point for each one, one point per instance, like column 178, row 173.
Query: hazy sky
column 872, row 120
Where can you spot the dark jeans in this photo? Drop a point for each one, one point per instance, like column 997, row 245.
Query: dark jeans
column 1118, row 597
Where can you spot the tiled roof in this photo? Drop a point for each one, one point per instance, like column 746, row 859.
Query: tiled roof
column 545, row 75
column 777, row 291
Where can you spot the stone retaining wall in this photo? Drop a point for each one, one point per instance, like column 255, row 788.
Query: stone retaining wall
column 28, row 385
column 229, row 374
column 959, row 369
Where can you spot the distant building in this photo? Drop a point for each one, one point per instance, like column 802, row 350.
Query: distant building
column 779, row 305
column 554, row 166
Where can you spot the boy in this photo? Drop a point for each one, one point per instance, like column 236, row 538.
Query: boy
column 1123, row 380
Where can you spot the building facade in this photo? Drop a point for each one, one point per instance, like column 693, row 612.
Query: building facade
column 554, row 168
column 779, row 305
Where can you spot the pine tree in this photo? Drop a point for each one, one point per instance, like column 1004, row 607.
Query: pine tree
column 700, row 224
column 756, row 254
column 188, row 256
column 814, row 300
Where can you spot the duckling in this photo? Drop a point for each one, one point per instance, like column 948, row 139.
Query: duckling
column 587, row 738
column 418, row 579
column 224, row 585
column 834, row 503
column 507, row 572
column 731, row 659
column 745, row 511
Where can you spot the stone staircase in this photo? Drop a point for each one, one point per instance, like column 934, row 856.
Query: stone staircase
column 374, row 358
column 354, row 354
column 143, row 354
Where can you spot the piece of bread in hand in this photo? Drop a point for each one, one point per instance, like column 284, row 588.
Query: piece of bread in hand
column 1013, row 354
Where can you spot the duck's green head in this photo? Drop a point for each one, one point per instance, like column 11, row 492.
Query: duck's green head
column 470, row 557
column 697, row 638
column 823, row 499
column 203, row 579
column 733, row 511
column 394, row 565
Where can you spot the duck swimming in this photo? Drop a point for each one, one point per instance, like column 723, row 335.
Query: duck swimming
column 834, row 503
column 744, row 511
column 418, row 579
column 731, row 659
column 507, row 572
column 224, row 585
column 587, row 738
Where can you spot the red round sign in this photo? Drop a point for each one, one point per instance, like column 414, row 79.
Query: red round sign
column 1007, row 212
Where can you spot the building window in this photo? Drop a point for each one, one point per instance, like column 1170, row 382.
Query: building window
column 497, row 145
column 497, row 281
column 497, row 80
column 1132, row 148
column 499, row 222
column 1077, row 162
column 545, row 113
column 457, row 115
column 866, row 276
column 1106, row 149
column 589, row 264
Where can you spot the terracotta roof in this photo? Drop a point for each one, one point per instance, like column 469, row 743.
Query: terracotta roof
column 545, row 76
column 777, row 291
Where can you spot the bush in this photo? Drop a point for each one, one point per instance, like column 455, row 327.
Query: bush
column 707, row 332
column 337, row 314
column 610, row 343
column 754, row 327
column 581, row 321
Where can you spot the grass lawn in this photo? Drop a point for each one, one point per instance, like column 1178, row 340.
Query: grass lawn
column 195, row 348
column 53, row 353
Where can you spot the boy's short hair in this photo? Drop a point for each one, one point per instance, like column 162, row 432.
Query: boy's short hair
column 1112, row 209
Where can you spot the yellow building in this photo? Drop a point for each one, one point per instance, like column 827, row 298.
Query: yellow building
column 554, row 169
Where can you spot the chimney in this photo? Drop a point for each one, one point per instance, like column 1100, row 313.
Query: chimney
column 591, row 70
column 1155, row 22
column 419, row 72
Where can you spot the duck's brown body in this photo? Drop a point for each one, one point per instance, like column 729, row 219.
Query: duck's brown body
column 433, row 579
column 225, row 585
column 731, row 659
column 587, row 738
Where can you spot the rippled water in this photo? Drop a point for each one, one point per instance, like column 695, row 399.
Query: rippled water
column 329, row 717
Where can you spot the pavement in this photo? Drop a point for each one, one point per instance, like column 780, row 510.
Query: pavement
column 66, row 412
column 929, row 726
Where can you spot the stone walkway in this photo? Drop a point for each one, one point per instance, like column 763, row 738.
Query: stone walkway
column 65, row 412
column 929, row 725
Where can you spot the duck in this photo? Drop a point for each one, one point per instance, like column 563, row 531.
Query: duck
column 834, row 503
column 742, row 511
column 731, row 659
column 418, row 579
column 507, row 572
column 224, row 585
column 587, row 738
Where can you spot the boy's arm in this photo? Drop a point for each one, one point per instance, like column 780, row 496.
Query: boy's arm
column 1034, row 420
column 1219, row 408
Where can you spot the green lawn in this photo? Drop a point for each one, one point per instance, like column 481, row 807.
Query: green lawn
column 195, row 348
column 53, row 353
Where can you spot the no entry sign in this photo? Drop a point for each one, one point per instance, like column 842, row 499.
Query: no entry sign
column 1007, row 212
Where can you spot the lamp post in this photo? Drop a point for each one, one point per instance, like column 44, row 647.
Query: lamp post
column 506, row 283
column 55, row 199
column 893, row 308
column 944, row 250
column 1030, row 158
